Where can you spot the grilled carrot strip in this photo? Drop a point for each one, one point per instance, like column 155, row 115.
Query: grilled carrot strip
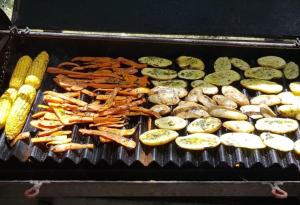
column 145, row 111
column 67, row 98
column 50, row 116
column 92, row 59
column 53, row 99
column 49, row 132
column 106, row 97
column 89, row 93
column 62, row 132
column 64, row 64
column 48, row 138
column 128, row 62
column 36, row 124
column 21, row 136
column 56, row 142
column 70, row 146
column 123, row 132
column 38, row 114
column 66, row 106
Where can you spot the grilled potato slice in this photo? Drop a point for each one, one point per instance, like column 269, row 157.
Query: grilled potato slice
column 278, row 142
column 221, row 78
column 224, row 101
column 207, row 88
column 288, row 98
column 252, row 111
column 158, row 137
column 264, row 86
column 291, row 71
column 193, row 95
column 222, row 64
column 204, row 125
column 235, row 95
column 155, row 61
column 242, row 140
column 277, row 125
column 191, row 112
column 164, row 99
column 176, row 83
column 266, row 111
column 269, row 100
column 295, row 88
column 180, row 92
column 263, row 73
column 271, row 62
column 198, row 141
column 185, row 105
column 238, row 126
column 161, row 109
column 188, row 62
column 190, row 74
column 159, row 74
column 239, row 63
column 297, row 147
column 289, row 110
column 206, row 101
column 171, row 123
column 227, row 113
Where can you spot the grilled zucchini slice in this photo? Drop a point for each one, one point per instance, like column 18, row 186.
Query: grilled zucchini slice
column 188, row 62
column 239, row 63
column 278, row 142
column 222, row 64
column 189, row 74
column 221, row 78
column 155, row 61
column 158, row 137
column 277, row 125
column 291, row 71
column 264, row 86
column 198, row 141
column 171, row 123
column 263, row 73
column 159, row 74
column 271, row 62
column 204, row 125
column 295, row 88
column 170, row 83
column 242, row 140
column 207, row 88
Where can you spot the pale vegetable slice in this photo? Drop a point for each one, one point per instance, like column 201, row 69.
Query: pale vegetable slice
column 221, row 78
column 180, row 92
column 235, row 95
column 193, row 95
column 289, row 110
column 192, row 112
column 263, row 73
column 224, row 101
column 160, row 74
column 239, row 126
column 185, row 105
column 227, row 113
column 204, row 125
column 222, row 64
column 295, row 87
column 198, row 141
column 271, row 62
column 176, row 83
column 207, row 88
column 206, row 101
column 266, row 111
column 190, row 74
column 188, row 62
column 161, row 109
column 164, row 99
column 239, row 63
column 297, row 146
column 252, row 111
column 269, row 100
column 158, row 137
column 171, row 123
column 155, row 61
column 291, row 71
column 264, row 86
column 288, row 98
column 242, row 140
column 277, row 125
column 278, row 142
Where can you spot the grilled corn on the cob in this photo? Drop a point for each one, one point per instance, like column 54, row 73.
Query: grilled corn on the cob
column 20, row 72
column 37, row 69
column 19, row 111
column 6, row 102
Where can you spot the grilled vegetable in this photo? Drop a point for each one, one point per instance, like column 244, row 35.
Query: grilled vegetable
column 20, row 72
column 243, row 140
column 239, row 63
column 198, row 141
column 227, row 113
column 206, row 101
column 277, row 125
column 70, row 146
column 189, row 74
column 295, row 88
column 262, row 85
column 222, row 64
column 164, row 99
column 193, row 95
column 266, row 111
column 207, row 88
column 159, row 74
column 224, row 101
column 37, row 70
column 289, row 110
column 171, row 123
column 263, row 73
column 155, row 61
column 297, row 147
column 161, row 109
column 189, row 111
column 235, row 95
column 278, row 142
column 170, row 83
column 6, row 102
column 180, row 92
column 157, row 137
column 221, row 78
column 288, row 98
column 204, row 125
column 239, row 126
column 271, row 62
column 188, row 62
column 269, row 100
column 252, row 111
column 19, row 111
column 291, row 71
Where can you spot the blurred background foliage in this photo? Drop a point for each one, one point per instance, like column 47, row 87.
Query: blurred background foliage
column 7, row 7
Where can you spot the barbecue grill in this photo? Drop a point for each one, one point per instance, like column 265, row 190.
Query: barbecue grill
column 207, row 29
